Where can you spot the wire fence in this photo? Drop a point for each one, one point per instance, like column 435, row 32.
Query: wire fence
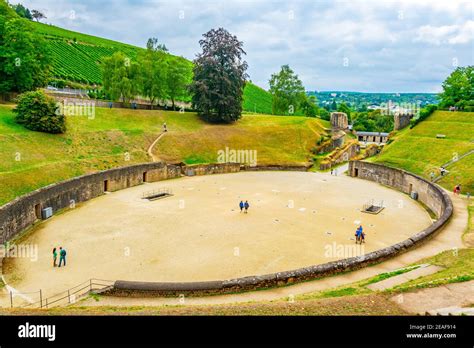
column 36, row 299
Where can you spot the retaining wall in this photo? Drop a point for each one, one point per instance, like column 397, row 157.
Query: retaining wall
column 21, row 213
column 429, row 194
column 24, row 211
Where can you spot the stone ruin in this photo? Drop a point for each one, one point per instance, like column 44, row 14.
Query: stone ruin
column 337, row 138
column 339, row 120
column 400, row 121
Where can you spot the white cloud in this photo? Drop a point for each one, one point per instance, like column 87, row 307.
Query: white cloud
column 452, row 34
column 391, row 45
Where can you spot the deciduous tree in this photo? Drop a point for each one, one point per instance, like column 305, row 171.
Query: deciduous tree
column 219, row 77
column 287, row 91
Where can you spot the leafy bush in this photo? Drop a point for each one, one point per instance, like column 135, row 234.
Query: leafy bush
column 38, row 112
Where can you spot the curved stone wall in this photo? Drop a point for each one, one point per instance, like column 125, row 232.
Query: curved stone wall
column 429, row 194
column 22, row 213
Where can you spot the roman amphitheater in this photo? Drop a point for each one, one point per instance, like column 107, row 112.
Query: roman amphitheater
column 173, row 230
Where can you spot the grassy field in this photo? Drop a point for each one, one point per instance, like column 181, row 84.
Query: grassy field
column 118, row 137
column 419, row 151
column 277, row 140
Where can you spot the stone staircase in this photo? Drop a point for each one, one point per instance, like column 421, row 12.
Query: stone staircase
column 452, row 311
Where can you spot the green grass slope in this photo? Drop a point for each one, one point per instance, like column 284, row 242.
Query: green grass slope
column 119, row 137
column 419, row 151
column 276, row 140
column 257, row 99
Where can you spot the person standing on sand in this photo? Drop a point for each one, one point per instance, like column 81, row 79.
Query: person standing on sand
column 55, row 257
column 246, row 205
column 62, row 256
column 241, row 205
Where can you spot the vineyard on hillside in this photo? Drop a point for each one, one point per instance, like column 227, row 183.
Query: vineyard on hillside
column 77, row 57
column 257, row 99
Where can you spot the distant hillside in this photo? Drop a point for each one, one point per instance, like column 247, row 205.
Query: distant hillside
column 418, row 150
column 357, row 99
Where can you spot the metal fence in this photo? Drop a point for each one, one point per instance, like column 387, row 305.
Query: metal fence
column 37, row 299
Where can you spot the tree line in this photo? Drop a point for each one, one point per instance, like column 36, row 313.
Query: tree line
column 154, row 75
column 214, row 82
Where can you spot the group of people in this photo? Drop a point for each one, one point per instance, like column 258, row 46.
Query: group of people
column 360, row 235
column 62, row 257
column 243, row 206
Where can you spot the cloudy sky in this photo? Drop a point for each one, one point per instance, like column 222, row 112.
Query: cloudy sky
column 374, row 46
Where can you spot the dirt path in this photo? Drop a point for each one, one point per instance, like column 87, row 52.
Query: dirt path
column 444, row 299
column 450, row 237
column 150, row 149
column 391, row 282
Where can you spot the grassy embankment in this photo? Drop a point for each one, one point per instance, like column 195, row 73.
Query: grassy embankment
column 418, row 150
column 118, row 137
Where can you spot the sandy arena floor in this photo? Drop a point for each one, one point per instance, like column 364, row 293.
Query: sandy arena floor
column 295, row 219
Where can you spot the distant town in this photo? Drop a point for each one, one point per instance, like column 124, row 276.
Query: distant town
column 372, row 101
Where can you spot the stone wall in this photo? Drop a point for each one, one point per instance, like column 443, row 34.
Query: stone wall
column 400, row 121
column 431, row 195
column 22, row 212
column 19, row 214
column 339, row 120
column 345, row 154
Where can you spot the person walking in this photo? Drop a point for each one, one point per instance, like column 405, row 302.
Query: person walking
column 246, row 205
column 62, row 256
column 357, row 234
column 241, row 205
column 164, row 127
column 55, row 257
